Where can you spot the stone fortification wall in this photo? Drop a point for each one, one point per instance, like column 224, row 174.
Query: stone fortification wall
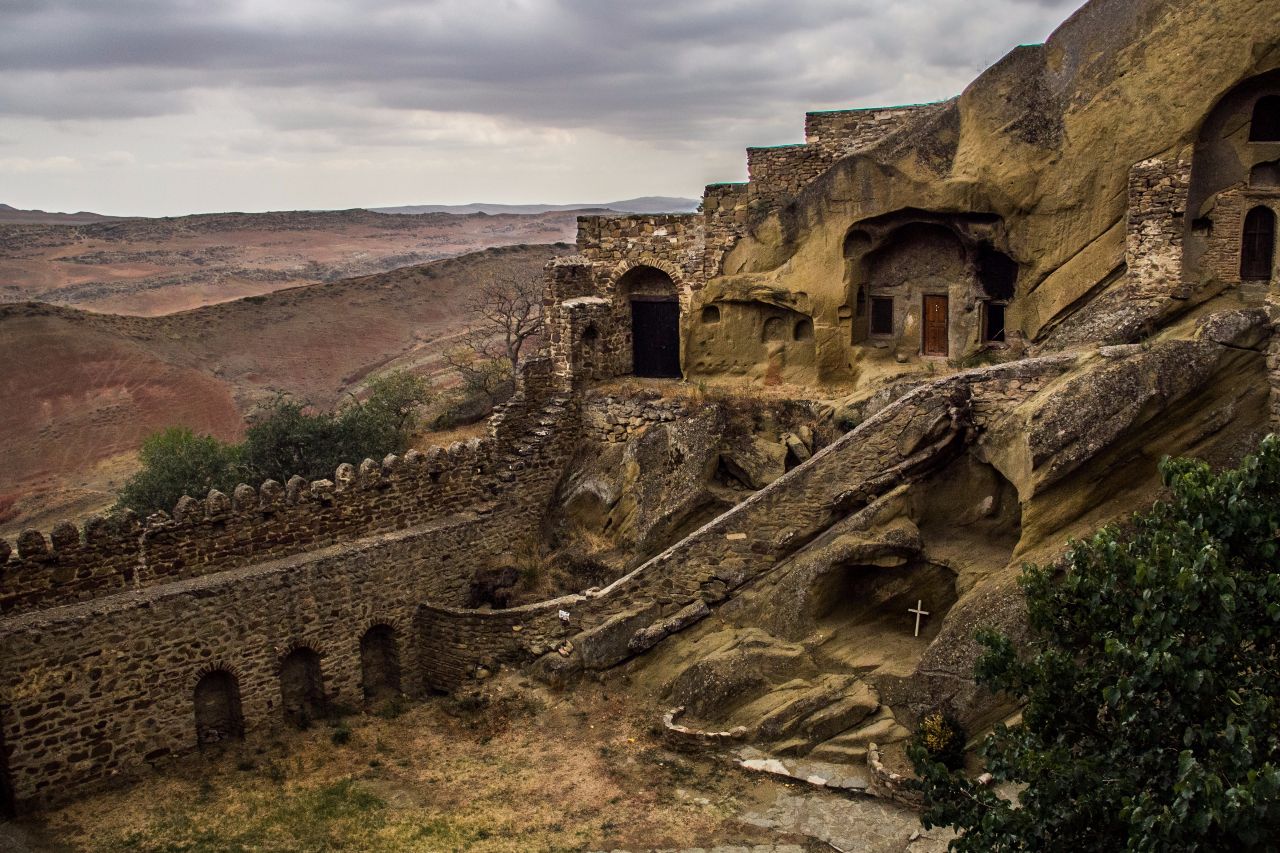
column 845, row 131
column 1155, row 225
column 581, row 336
column 601, row 628
column 618, row 254
column 672, row 242
column 98, row 690
column 778, row 174
column 727, row 213
column 251, row 526
column 613, row 418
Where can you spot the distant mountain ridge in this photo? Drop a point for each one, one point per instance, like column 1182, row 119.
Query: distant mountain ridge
column 10, row 215
column 643, row 205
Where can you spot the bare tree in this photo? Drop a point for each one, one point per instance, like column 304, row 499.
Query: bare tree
column 505, row 314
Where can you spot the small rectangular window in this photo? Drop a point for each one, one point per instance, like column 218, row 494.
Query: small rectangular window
column 881, row 315
column 994, row 331
column 862, row 302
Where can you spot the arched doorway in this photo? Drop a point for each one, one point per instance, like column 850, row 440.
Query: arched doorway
column 379, row 662
column 1258, row 245
column 217, row 708
column 649, row 295
column 301, row 687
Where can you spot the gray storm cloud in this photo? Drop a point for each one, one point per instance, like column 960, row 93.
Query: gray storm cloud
column 389, row 73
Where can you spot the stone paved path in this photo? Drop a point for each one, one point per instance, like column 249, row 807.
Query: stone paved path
column 850, row 824
column 835, row 823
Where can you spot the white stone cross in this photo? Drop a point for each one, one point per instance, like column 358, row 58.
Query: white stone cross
column 919, row 611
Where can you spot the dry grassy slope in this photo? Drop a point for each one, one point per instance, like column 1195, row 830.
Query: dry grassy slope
column 80, row 390
column 158, row 266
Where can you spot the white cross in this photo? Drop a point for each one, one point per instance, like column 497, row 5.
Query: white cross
column 919, row 611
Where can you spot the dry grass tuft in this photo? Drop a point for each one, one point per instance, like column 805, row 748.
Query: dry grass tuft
column 508, row 769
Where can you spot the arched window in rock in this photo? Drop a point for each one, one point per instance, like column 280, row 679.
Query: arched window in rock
column 774, row 330
column 803, row 330
column 217, row 707
column 1265, row 125
column 301, row 687
column 711, row 314
column 380, row 662
column 1257, row 252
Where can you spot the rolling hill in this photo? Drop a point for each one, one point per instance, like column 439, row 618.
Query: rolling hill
column 81, row 389
column 151, row 267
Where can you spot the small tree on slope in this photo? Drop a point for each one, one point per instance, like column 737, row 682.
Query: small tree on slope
column 1151, row 687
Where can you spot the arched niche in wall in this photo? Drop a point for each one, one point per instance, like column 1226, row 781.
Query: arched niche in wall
column 774, row 330
column 1265, row 175
column 218, row 714
column 380, row 662
column 302, row 698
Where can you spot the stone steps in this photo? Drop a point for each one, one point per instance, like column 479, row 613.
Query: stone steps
column 850, row 747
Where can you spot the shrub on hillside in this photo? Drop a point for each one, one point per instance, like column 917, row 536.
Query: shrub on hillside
column 942, row 738
column 285, row 438
column 178, row 462
column 1151, row 687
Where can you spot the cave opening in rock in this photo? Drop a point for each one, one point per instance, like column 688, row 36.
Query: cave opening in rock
column 968, row 514
column 862, row 612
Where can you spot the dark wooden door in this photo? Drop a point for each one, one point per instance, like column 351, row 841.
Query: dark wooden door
column 655, row 338
column 935, row 325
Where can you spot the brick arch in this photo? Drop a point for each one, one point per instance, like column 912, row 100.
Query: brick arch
column 295, row 645
column 395, row 623
column 216, row 666
column 684, row 292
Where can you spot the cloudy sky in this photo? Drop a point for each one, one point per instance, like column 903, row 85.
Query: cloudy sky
column 174, row 106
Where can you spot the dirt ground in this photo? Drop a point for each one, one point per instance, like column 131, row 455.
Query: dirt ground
column 517, row 769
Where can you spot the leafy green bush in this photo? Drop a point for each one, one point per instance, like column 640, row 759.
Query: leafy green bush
column 1152, row 684
column 283, row 439
column 178, row 462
